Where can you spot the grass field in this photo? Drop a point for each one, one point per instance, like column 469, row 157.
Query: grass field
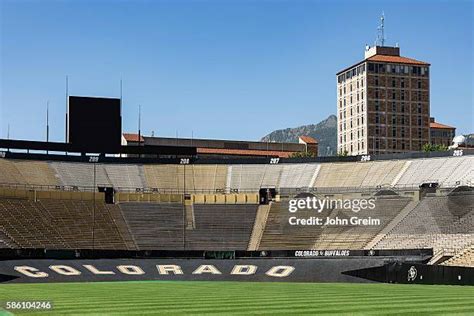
column 158, row 297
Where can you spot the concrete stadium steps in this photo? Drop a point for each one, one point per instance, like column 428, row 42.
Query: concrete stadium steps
column 59, row 224
column 298, row 175
column 441, row 223
column 80, row 174
column 358, row 174
column 154, row 225
column 29, row 224
column 445, row 171
column 9, row 174
column 125, row 175
column 206, row 178
column 246, row 177
column 221, row 227
column 253, row 177
column 382, row 173
column 37, row 172
column 6, row 241
column 463, row 259
column 74, row 220
column 162, row 177
column 279, row 235
column 356, row 237
column 259, row 226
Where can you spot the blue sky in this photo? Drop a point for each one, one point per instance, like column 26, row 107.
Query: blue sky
column 218, row 69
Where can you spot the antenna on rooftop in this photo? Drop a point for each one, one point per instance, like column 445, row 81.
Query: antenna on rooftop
column 381, row 31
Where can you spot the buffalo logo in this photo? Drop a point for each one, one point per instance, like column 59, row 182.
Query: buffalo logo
column 412, row 273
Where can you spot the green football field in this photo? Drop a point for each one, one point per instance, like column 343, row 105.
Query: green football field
column 158, row 297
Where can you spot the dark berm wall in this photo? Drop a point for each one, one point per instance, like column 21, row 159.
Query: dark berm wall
column 269, row 270
column 347, row 270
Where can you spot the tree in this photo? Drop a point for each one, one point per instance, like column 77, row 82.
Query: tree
column 302, row 154
column 434, row 147
column 344, row 153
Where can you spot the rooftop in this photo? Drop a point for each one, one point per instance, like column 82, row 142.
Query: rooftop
column 132, row 137
column 397, row 60
column 439, row 125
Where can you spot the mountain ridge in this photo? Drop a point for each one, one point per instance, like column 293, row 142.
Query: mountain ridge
column 325, row 132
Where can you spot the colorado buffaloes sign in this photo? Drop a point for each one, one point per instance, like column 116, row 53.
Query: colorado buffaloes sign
column 294, row 270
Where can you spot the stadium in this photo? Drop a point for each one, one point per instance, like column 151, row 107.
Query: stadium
column 91, row 224
column 368, row 212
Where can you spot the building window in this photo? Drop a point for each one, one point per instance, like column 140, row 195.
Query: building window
column 402, row 83
column 393, row 83
column 394, row 107
column 394, row 132
column 402, row 108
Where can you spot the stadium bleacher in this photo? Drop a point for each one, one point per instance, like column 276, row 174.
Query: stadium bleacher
column 464, row 258
column 59, row 224
column 221, row 227
column 438, row 222
column 80, row 174
column 154, row 225
column 215, row 217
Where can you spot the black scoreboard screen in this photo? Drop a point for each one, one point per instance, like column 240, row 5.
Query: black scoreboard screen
column 94, row 124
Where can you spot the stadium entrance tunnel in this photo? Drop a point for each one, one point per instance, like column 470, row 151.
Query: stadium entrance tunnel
column 255, row 270
column 266, row 195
